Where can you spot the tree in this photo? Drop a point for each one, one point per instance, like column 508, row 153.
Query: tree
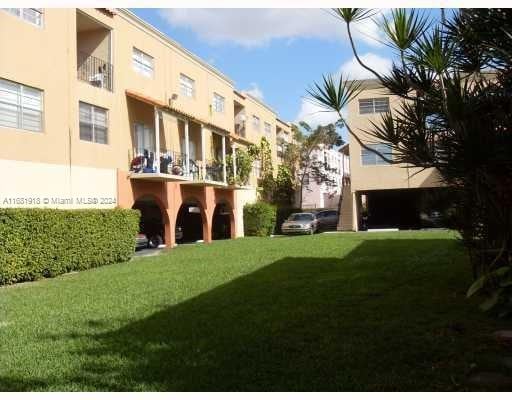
column 244, row 163
column 266, row 181
column 300, row 158
column 283, row 187
column 454, row 82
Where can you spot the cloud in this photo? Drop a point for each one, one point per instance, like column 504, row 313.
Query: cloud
column 257, row 27
column 353, row 70
column 315, row 115
column 254, row 91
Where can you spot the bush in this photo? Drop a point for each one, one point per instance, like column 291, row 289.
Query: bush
column 259, row 219
column 37, row 243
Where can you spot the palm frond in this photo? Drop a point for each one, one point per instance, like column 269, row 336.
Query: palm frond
column 350, row 15
column 433, row 51
column 332, row 96
column 404, row 27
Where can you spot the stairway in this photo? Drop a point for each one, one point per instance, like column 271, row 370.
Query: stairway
column 345, row 211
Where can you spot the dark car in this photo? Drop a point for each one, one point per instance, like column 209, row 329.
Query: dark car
column 327, row 220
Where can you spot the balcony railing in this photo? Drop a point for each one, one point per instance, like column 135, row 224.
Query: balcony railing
column 214, row 171
column 240, row 128
column 171, row 163
column 95, row 71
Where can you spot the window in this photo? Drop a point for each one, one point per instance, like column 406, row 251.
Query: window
column 21, row 106
column 218, row 103
column 93, row 123
column 370, row 158
column 268, row 129
column 33, row 16
column 372, row 106
column 187, row 86
column 144, row 137
column 142, row 63
column 256, row 122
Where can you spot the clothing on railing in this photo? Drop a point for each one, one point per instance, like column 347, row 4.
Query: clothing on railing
column 171, row 162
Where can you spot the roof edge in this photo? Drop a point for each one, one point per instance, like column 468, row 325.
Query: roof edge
column 260, row 102
column 127, row 13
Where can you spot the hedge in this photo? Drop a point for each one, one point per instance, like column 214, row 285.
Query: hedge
column 37, row 243
column 259, row 219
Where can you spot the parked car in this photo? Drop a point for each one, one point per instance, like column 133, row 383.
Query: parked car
column 178, row 233
column 141, row 241
column 327, row 220
column 300, row 223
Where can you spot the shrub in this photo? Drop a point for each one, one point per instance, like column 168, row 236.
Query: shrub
column 37, row 243
column 259, row 219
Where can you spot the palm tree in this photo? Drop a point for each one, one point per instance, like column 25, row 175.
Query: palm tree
column 454, row 82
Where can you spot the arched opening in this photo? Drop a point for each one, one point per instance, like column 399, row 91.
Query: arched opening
column 221, row 223
column 152, row 222
column 189, row 222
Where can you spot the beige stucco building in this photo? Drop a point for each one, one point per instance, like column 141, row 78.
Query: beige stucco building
column 100, row 109
column 383, row 195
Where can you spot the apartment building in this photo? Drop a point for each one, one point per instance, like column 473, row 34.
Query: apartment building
column 99, row 109
column 284, row 137
column 335, row 165
column 383, row 195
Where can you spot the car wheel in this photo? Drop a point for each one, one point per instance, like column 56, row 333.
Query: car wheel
column 155, row 241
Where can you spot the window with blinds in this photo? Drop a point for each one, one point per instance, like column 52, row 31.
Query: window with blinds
column 256, row 122
column 93, row 123
column 21, row 106
column 218, row 103
column 374, row 106
column 143, row 63
column 31, row 15
column 370, row 158
column 144, row 137
column 187, row 86
column 268, row 129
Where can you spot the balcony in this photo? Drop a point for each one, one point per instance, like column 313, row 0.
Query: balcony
column 173, row 166
column 240, row 128
column 240, row 118
column 93, row 52
column 95, row 71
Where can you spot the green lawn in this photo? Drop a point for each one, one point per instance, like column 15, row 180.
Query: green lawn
column 382, row 311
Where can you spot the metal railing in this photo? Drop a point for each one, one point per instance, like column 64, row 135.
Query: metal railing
column 144, row 160
column 95, row 71
column 214, row 171
column 171, row 163
column 240, row 128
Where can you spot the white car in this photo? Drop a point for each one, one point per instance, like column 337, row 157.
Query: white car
column 300, row 223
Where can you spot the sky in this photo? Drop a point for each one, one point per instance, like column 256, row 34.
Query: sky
column 276, row 54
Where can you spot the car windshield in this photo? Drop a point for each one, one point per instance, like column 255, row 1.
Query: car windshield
column 300, row 217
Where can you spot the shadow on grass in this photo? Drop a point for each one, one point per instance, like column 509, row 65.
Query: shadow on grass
column 371, row 320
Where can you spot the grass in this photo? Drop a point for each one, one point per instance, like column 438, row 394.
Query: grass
column 383, row 311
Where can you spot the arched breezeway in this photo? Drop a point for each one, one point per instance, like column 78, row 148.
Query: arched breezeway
column 190, row 222
column 223, row 222
column 152, row 220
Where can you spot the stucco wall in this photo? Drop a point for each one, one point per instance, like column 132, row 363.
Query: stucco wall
column 369, row 177
column 28, row 184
